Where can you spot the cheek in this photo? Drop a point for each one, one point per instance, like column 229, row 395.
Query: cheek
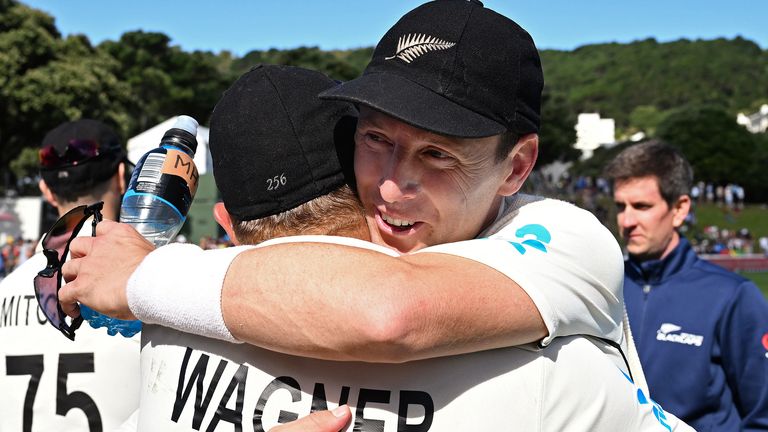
column 365, row 168
column 459, row 195
column 445, row 186
column 620, row 222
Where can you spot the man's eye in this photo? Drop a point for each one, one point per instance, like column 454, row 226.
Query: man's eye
column 374, row 138
column 437, row 154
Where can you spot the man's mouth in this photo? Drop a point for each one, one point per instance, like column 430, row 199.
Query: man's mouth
column 398, row 223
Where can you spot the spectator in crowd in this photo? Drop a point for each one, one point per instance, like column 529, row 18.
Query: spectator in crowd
column 710, row 192
column 26, row 250
column 764, row 245
column 719, row 195
column 713, row 240
column 739, row 194
column 701, row 330
column 9, row 256
column 49, row 382
column 695, row 195
column 728, row 196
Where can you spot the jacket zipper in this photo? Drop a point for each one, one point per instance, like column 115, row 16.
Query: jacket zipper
column 646, row 290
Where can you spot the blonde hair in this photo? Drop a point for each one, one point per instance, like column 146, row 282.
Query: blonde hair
column 337, row 213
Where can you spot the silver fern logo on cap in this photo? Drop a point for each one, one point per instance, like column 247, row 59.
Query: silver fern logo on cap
column 412, row 46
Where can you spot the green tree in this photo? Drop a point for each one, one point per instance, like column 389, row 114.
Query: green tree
column 25, row 167
column 333, row 64
column 48, row 80
column 558, row 133
column 27, row 40
column 164, row 80
column 614, row 79
column 717, row 147
column 645, row 118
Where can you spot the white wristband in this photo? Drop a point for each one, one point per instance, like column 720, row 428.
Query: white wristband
column 179, row 286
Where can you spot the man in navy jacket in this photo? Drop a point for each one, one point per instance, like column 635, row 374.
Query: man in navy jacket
column 701, row 331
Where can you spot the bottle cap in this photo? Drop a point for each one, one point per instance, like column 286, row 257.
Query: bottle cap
column 183, row 133
column 187, row 123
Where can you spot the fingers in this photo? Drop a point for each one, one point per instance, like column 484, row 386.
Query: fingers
column 71, row 309
column 80, row 247
column 98, row 270
column 105, row 226
column 71, row 267
column 319, row 421
column 83, row 246
column 68, row 299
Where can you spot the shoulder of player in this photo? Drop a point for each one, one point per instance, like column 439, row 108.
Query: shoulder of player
column 549, row 207
column 562, row 220
column 328, row 239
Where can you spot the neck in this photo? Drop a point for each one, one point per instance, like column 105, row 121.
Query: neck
column 110, row 211
column 672, row 244
column 493, row 213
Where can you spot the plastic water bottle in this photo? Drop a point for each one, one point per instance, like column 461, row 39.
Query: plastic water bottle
column 114, row 326
column 163, row 185
column 156, row 203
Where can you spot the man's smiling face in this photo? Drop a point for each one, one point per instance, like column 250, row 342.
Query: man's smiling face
column 420, row 188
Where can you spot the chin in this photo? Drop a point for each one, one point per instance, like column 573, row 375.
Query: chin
column 637, row 252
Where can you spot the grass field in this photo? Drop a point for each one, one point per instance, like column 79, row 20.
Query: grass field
column 752, row 217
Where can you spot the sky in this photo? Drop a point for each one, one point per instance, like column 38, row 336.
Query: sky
column 240, row 26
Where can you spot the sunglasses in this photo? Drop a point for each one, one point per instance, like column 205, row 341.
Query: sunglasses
column 77, row 151
column 55, row 248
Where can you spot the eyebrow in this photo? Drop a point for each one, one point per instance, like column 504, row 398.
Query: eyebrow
column 455, row 144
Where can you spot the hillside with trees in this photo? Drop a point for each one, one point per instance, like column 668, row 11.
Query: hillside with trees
column 663, row 89
column 629, row 82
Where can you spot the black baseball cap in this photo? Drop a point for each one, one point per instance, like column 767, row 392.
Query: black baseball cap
column 455, row 68
column 274, row 142
column 80, row 153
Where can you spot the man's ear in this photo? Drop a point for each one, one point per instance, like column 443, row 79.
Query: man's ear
column 221, row 215
column 47, row 193
column 681, row 208
column 521, row 160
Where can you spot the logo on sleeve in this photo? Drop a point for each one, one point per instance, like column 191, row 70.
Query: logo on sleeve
column 535, row 236
column 656, row 409
column 765, row 344
column 671, row 333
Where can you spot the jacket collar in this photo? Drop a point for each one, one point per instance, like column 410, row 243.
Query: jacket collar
column 655, row 271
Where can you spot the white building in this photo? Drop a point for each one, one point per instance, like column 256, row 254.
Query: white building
column 755, row 123
column 593, row 132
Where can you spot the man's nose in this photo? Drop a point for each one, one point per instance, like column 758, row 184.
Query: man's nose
column 400, row 180
column 627, row 218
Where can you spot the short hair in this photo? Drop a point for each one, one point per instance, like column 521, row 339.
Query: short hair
column 507, row 141
column 72, row 192
column 654, row 158
column 336, row 213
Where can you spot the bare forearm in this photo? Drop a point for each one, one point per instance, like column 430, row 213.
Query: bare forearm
column 342, row 303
